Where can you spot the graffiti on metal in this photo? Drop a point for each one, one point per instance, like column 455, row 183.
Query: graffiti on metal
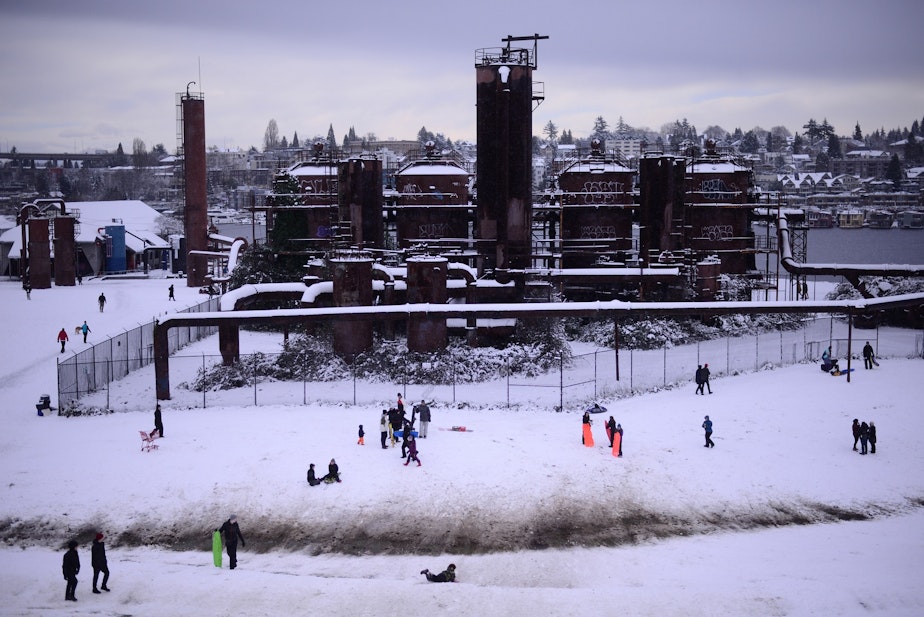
column 597, row 232
column 716, row 190
column 433, row 230
column 717, row 232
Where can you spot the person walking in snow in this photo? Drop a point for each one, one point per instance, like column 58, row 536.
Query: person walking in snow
column 400, row 405
column 585, row 420
column 98, row 561
column 362, row 436
column 312, row 478
column 70, row 566
column 700, row 380
column 170, row 295
column 868, row 356
column 855, row 427
column 84, row 329
column 864, row 436
column 412, row 451
column 424, row 414
column 611, row 429
column 446, row 576
column 383, row 427
column 707, row 426
column 102, row 302
column 405, row 435
column 158, row 421
column 706, row 375
column 395, row 421
column 63, row 338
column 231, row 532
column 871, row 435
column 28, row 287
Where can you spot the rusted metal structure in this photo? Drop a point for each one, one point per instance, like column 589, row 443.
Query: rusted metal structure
column 360, row 202
column 661, row 193
column 304, row 209
column 39, row 253
column 426, row 284
column 432, row 204
column 719, row 210
column 596, row 207
column 195, row 213
column 504, row 100
column 352, row 278
column 65, row 262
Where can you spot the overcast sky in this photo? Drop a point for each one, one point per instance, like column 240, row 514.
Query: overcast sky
column 78, row 76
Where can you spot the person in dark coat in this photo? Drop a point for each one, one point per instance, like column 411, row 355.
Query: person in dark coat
column 585, row 420
column 170, row 295
column 63, row 338
column 400, row 405
column 102, row 302
column 706, row 375
column 707, row 426
column 619, row 431
column 868, row 356
column 28, row 287
column 98, row 561
column 700, row 380
column 611, row 429
column 424, row 410
column 232, row 532
column 362, row 436
column 412, row 451
column 446, row 576
column 70, row 566
column 333, row 472
column 864, row 436
column 312, row 479
column 383, row 427
column 395, row 420
column 158, row 420
column 855, row 427
column 405, row 435
column 872, row 438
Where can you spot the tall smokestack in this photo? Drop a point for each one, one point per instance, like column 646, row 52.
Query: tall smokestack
column 195, row 217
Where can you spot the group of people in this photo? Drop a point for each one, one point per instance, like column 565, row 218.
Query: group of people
column 702, row 379
column 830, row 365
column 865, row 434
column 333, row 474
column 63, row 338
column 70, row 567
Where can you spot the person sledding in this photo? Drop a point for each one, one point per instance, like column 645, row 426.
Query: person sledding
column 412, row 450
column 333, row 473
column 446, row 576
column 827, row 364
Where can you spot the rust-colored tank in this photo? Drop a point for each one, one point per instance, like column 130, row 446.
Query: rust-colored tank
column 504, row 100
column 352, row 277
column 661, row 188
column 596, row 209
column 65, row 251
column 39, row 252
column 426, row 284
column 360, row 201
column 719, row 211
column 195, row 214
column 318, row 187
column 432, row 202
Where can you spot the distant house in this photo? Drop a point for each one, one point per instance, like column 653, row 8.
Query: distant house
column 143, row 247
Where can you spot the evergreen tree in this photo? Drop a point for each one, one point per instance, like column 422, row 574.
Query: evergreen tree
column 914, row 150
column 825, row 130
column 769, row 145
column 834, row 147
column 822, row 162
column 550, row 131
column 331, row 138
column 599, row 131
column 812, row 130
column 894, row 172
column 284, row 143
column 857, row 133
column 750, row 142
column 916, row 128
column 295, row 143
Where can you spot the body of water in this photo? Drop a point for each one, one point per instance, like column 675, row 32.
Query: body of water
column 866, row 246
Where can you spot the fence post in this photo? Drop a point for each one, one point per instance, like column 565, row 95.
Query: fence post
column 108, row 385
column 596, row 351
column 664, row 368
column 507, row 371
column 561, row 381
column 631, row 371
column 757, row 352
column 727, row 356
column 254, row 382
column 781, row 347
column 203, row 380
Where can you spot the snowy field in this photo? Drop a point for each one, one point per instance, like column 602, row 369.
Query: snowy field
column 782, row 517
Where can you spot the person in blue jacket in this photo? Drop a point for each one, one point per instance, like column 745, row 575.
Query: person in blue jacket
column 707, row 426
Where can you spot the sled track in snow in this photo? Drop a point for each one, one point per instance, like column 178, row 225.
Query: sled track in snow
column 592, row 526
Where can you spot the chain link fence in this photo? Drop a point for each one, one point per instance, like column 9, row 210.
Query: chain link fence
column 94, row 369
column 587, row 376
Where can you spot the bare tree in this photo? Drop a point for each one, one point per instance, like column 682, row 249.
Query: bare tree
column 271, row 136
column 139, row 153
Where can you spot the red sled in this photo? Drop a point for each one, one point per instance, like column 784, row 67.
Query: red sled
column 588, row 436
column 617, row 443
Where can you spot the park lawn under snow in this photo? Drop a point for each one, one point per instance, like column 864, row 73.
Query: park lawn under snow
column 780, row 518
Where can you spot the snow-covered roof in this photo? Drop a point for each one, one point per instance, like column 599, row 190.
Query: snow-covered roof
column 431, row 168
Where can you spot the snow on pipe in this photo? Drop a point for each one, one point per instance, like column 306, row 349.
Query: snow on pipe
column 794, row 267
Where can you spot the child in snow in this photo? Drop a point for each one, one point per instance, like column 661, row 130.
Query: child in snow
column 446, row 576
column 333, row 472
column 362, row 436
column 411, row 450
column 312, row 479
column 707, row 426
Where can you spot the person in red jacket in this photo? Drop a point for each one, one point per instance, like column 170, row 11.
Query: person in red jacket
column 62, row 338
